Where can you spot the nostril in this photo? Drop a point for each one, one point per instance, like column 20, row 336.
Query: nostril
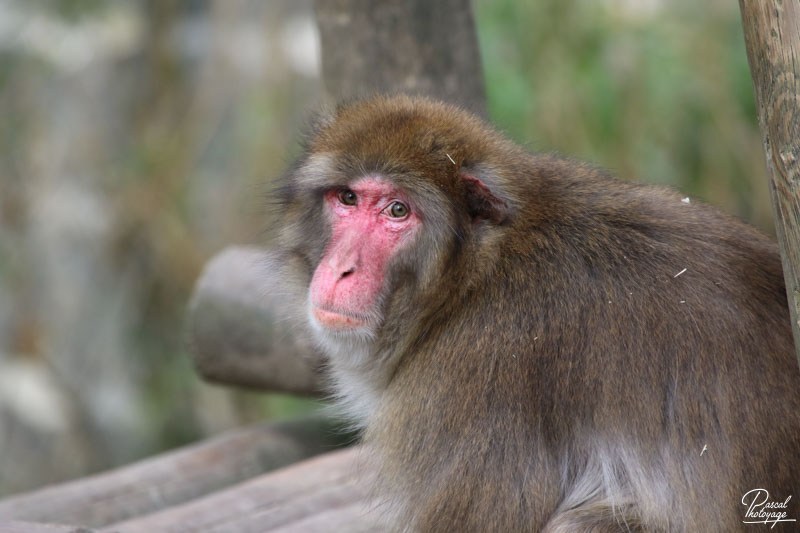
column 347, row 272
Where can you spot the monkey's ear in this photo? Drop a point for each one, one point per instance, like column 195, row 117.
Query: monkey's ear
column 482, row 202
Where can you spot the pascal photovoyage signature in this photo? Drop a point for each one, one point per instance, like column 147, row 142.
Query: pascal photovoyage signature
column 761, row 510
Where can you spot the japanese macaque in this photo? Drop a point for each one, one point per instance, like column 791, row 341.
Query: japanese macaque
column 533, row 345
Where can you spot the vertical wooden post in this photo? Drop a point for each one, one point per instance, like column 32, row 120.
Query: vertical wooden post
column 772, row 37
column 416, row 46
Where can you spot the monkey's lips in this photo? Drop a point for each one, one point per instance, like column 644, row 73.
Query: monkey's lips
column 337, row 321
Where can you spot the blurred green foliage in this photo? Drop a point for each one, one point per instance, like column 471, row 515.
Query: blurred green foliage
column 657, row 91
column 71, row 9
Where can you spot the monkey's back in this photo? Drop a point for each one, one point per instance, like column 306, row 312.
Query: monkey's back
column 642, row 334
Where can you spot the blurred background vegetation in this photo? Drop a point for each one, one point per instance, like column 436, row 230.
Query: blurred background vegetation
column 139, row 137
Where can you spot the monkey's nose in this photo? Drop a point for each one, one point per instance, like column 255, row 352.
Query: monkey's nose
column 347, row 272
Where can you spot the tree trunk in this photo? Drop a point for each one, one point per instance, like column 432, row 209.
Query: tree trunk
column 772, row 36
column 414, row 46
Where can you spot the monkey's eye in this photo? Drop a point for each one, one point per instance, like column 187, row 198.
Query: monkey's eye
column 347, row 197
column 398, row 210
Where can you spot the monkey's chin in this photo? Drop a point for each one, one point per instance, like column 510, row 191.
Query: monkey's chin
column 333, row 321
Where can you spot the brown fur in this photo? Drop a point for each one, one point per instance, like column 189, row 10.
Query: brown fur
column 546, row 368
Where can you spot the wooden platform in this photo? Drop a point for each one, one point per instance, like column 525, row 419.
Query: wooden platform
column 223, row 485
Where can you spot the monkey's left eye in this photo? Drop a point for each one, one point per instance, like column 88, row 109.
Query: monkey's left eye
column 398, row 210
column 347, row 197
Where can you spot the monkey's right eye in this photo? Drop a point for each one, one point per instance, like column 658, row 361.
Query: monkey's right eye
column 347, row 197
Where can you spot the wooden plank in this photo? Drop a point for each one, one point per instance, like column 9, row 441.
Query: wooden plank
column 772, row 37
column 354, row 518
column 320, row 494
column 33, row 527
column 175, row 477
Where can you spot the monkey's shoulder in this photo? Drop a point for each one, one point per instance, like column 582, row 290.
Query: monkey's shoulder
column 569, row 203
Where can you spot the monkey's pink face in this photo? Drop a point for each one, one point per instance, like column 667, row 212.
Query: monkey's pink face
column 370, row 223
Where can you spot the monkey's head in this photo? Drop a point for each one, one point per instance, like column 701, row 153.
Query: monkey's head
column 388, row 195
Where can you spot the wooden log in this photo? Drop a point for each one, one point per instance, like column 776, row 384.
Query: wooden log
column 415, row 46
column 245, row 326
column 33, row 527
column 772, row 37
column 176, row 477
column 320, row 494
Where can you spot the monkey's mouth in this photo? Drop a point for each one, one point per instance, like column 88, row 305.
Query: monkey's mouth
column 336, row 320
